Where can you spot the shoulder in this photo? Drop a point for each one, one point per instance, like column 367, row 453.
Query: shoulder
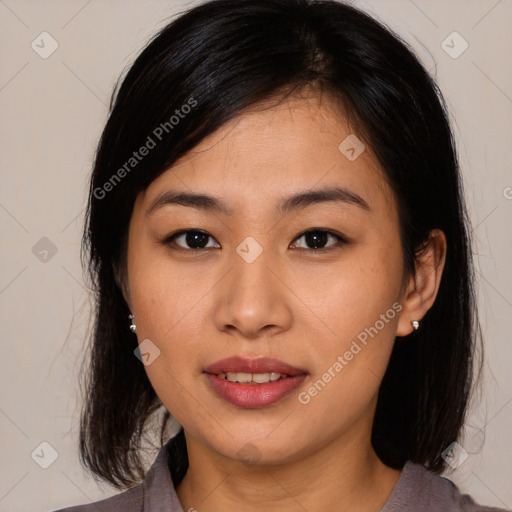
column 155, row 493
column 420, row 490
column 131, row 500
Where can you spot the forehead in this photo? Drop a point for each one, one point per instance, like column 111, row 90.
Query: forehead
column 272, row 135
column 275, row 149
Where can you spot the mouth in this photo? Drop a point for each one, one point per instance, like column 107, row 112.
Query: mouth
column 252, row 378
column 253, row 383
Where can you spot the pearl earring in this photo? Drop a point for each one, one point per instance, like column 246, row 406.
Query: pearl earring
column 415, row 324
column 133, row 327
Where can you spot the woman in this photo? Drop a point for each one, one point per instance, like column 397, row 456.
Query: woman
column 280, row 251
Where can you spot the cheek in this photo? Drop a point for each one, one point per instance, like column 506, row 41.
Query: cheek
column 346, row 298
column 165, row 294
column 359, row 308
column 167, row 304
column 169, row 310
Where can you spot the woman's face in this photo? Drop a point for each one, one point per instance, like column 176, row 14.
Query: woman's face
column 247, row 282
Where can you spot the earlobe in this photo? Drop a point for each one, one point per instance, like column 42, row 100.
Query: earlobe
column 126, row 296
column 422, row 288
column 122, row 283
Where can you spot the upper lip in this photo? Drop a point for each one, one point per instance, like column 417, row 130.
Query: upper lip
column 260, row 365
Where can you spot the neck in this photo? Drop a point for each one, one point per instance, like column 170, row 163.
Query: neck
column 344, row 475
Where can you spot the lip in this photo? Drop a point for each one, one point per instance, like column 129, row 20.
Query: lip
column 260, row 365
column 253, row 395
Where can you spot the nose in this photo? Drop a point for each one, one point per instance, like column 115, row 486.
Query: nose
column 253, row 299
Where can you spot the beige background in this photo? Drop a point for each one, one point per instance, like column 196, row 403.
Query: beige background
column 52, row 113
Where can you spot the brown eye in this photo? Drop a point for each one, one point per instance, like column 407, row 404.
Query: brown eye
column 191, row 239
column 317, row 239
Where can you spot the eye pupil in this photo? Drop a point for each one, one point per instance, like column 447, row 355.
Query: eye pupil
column 193, row 237
column 316, row 238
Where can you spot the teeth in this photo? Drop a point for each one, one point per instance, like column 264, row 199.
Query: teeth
column 252, row 378
column 239, row 377
column 260, row 378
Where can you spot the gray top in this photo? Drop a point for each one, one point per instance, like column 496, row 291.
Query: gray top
column 417, row 490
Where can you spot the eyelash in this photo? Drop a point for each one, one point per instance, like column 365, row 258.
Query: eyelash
column 341, row 240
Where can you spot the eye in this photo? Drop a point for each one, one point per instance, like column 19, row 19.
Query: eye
column 318, row 238
column 194, row 238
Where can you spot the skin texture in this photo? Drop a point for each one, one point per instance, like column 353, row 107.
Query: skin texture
column 292, row 303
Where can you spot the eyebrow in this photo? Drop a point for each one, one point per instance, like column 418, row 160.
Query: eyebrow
column 295, row 202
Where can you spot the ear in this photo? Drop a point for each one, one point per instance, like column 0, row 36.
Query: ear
column 121, row 279
column 421, row 289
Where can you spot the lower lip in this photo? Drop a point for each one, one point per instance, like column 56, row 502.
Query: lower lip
column 254, row 395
